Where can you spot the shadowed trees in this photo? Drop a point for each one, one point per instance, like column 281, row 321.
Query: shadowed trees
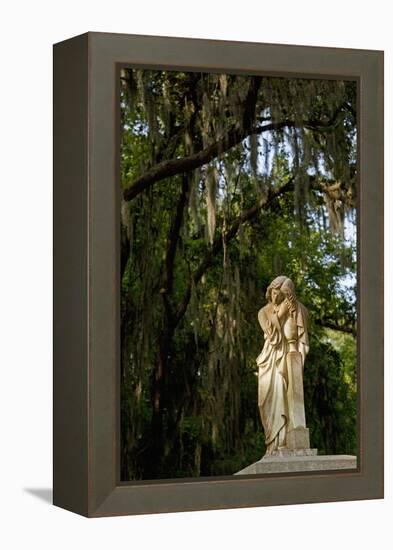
column 228, row 181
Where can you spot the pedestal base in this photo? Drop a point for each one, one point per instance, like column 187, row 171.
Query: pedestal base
column 292, row 452
column 294, row 463
column 298, row 438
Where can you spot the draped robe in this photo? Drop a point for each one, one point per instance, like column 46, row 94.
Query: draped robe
column 272, row 372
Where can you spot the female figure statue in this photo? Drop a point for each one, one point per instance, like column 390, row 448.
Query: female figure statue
column 281, row 361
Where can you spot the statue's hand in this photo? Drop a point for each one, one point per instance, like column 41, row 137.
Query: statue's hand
column 283, row 310
column 290, row 306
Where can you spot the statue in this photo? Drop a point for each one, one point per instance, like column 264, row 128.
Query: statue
column 280, row 375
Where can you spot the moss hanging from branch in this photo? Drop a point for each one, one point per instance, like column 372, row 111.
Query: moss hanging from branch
column 211, row 192
column 253, row 150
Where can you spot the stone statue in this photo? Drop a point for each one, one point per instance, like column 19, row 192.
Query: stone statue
column 280, row 376
column 284, row 323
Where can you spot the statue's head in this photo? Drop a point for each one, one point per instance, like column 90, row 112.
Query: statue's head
column 280, row 288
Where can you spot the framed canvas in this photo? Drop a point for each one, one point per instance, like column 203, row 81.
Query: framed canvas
column 201, row 186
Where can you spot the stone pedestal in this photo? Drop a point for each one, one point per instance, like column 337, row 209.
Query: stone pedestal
column 297, row 416
column 298, row 438
column 291, row 452
column 302, row 462
column 297, row 434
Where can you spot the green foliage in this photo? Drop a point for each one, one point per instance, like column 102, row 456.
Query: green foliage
column 330, row 398
column 197, row 256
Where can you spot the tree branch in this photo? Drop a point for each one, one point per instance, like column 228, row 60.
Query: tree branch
column 218, row 243
column 173, row 239
column 333, row 325
column 172, row 167
column 234, row 136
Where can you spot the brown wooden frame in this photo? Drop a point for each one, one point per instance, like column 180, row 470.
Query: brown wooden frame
column 86, row 267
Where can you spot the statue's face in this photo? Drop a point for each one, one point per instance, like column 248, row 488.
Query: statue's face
column 277, row 296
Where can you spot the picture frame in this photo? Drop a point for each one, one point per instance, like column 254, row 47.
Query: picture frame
column 86, row 417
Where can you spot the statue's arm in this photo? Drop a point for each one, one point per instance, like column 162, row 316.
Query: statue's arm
column 304, row 317
column 303, row 336
column 264, row 321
